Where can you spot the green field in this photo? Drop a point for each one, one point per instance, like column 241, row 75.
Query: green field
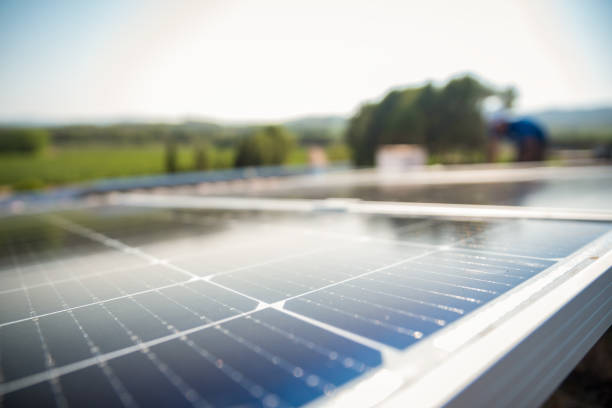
column 56, row 166
column 72, row 164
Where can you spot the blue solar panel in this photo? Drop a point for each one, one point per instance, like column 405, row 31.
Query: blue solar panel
column 402, row 304
column 140, row 307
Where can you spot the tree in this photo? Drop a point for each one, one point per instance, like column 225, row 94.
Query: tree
column 462, row 126
column 202, row 160
column 171, row 159
column 266, row 146
column 23, row 140
column 508, row 96
column 358, row 136
column 281, row 142
column 442, row 119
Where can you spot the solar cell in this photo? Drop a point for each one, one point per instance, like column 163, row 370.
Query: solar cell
column 145, row 307
column 547, row 239
column 401, row 304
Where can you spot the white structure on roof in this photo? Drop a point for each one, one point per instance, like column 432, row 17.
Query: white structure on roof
column 394, row 158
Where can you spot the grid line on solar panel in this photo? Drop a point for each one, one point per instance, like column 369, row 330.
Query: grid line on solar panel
column 87, row 232
column 49, row 363
column 87, row 362
column 58, row 265
column 117, row 386
column 276, row 295
column 95, row 350
column 437, row 301
column 541, row 237
column 368, row 238
column 188, row 260
column 151, row 272
column 188, row 392
column 311, row 380
column 473, row 271
column 132, row 298
column 434, row 230
column 97, row 236
column 407, row 313
column 332, row 295
column 456, row 223
column 155, row 261
column 269, row 249
column 92, row 303
column 376, row 305
column 269, row 290
column 419, row 305
column 184, row 250
column 130, row 250
column 458, row 243
column 496, row 230
column 94, row 298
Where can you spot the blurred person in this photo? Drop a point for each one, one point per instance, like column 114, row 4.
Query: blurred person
column 529, row 137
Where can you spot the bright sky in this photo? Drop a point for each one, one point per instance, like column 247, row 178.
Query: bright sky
column 273, row 59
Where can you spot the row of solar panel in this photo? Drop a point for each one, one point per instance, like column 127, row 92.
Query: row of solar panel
column 395, row 305
column 522, row 238
column 123, row 332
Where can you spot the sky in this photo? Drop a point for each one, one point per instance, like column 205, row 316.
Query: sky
column 266, row 60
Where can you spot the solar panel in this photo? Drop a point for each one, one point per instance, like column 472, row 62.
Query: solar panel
column 569, row 187
column 163, row 307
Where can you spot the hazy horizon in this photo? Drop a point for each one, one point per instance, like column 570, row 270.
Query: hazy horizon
column 143, row 119
column 270, row 61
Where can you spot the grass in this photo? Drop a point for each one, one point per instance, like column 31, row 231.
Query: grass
column 63, row 165
column 72, row 164
column 335, row 153
column 457, row 157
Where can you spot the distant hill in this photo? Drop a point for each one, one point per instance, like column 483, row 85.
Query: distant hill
column 337, row 122
column 595, row 121
column 318, row 129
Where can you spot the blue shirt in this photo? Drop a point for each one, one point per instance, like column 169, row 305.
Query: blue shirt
column 522, row 129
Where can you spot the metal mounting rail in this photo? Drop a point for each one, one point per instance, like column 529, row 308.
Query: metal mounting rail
column 355, row 206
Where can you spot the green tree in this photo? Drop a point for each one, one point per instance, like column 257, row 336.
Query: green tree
column 462, row 126
column 171, row 156
column 443, row 119
column 266, row 146
column 428, row 103
column 359, row 138
column 281, row 143
column 253, row 150
column 202, row 159
column 23, row 140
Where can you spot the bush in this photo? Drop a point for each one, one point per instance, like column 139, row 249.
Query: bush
column 171, row 157
column 23, row 140
column 202, row 159
column 338, row 152
column 268, row 146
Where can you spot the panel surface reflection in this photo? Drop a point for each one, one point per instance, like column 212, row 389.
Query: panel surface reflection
column 142, row 307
